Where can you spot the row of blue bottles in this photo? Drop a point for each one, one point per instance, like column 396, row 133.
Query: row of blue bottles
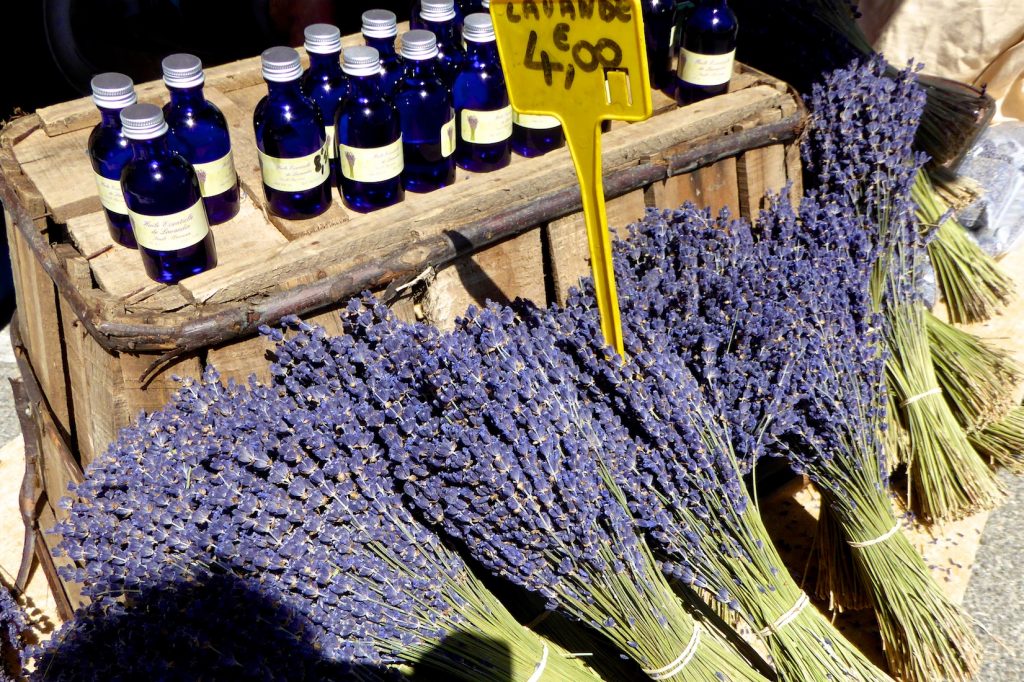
column 164, row 200
column 199, row 132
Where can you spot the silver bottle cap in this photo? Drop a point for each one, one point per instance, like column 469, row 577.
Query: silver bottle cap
column 182, row 71
column 113, row 91
column 437, row 10
column 322, row 38
column 143, row 122
column 419, row 45
column 380, row 23
column 486, row 4
column 478, row 28
column 361, row 61
column 281, row 64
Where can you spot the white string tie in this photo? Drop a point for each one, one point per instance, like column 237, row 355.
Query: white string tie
column 786, row 618
column 881, row 538
column 673, row 668
column 922, row 396
column 539, row 670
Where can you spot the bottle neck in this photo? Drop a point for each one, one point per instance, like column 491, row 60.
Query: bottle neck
column 276, row 90
column 110, row 118
column 366, row 87
column 421, row 69
column 324, row 62
column 187, row 96
column 386, row 46
column 482, row 51
column 150, row 150
column 444, row 30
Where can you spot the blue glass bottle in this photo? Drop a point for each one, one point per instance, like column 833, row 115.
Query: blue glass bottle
column 380, row 27
column 427, row 115
column 438, row 17
column 659, row 24
column 706, row 52
column 200, row 133
column 164, row 201
column 109, row 151
column 291, row 141
column 463, row 8
column 369, row 136
column 536, row 135
column 324, row 81
column 483, row 115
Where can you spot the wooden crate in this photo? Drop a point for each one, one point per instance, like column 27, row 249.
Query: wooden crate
column 102, row 342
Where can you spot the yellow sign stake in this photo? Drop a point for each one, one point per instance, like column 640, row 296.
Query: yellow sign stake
column 583, row 62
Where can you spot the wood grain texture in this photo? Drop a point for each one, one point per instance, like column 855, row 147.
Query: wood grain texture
column 760, row 172
column 567, row 246
column 794, row 174
column 512, row 268
column 39, row 319
column 715, row 187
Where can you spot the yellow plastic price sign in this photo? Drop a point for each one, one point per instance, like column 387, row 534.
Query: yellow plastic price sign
column 583, row 62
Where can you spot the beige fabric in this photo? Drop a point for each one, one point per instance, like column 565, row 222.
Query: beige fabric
column 975, row 41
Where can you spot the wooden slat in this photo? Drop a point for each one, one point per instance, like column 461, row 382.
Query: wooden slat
column 153, row 394
column 510, row 269
column 392, row 230
column 68, row 596
column 759, row 172
column 567, row 246
column 60, row 168
column 794, row 174
column 27, row 193
column 39, row 320
column 97, row 400
column 58, row 466
column 713, row 187
column 80, row 114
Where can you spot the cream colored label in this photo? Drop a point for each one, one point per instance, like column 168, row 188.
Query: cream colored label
column 535, row 122
column 295, row 175
column 111, row 195
column 331, row 151
column 448, row 138
column 216, row 177
column 486, row 127
column 374, row 164
column 170, row 232
column 705, row 69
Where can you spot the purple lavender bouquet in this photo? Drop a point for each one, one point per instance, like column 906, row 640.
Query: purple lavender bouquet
column 283, row 491
column 498, row 447
column 13, row 626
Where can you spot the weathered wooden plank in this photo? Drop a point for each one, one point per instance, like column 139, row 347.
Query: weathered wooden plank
column 58, row 466
column 81, row 113
column 152, row 394
column 39, row 320
column 97, row 400
column 59, row 167
column 567, row 245
column 507, row 270
column 759, row 172
column 27, row 193
column 794, row 174
column 713, row 187
column 67, row 595
column 394, row 229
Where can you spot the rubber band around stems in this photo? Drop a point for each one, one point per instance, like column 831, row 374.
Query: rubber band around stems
column 921, row 396
column 786, row 618
column 535, row 677
column 673, row 668
column 881, row 538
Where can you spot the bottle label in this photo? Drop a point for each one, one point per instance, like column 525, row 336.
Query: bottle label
column 374, row 164
column 448, row 138
column 171, row 232
column 111, row 195
column 705, row 69
column 486, row 127
column 535, row 122
column 297, row 174
column 216, row 177
column 331, row 151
